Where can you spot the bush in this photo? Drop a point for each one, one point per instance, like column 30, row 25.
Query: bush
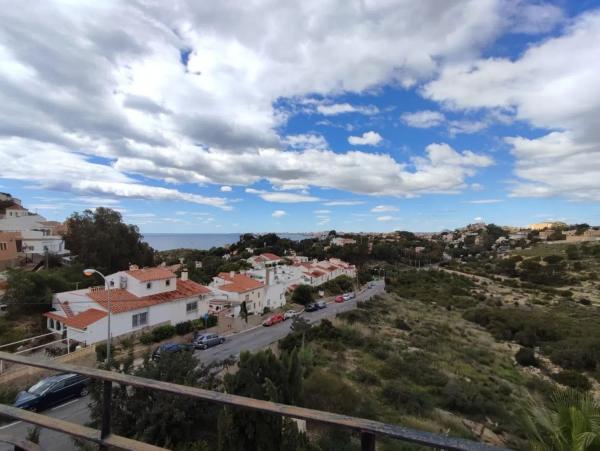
column 101, row 352
column 411, row 401
column 303, row 295
column 573, row 379
column 183, row 328
column 163, row 332
column 526, row 357
column 146, row 338
column 584, row 301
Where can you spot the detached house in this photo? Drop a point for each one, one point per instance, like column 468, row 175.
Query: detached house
column 139, row 299
column 240, row 288
column 264, row 260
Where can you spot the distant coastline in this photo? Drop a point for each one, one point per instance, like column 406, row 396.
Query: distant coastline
column 203, row 241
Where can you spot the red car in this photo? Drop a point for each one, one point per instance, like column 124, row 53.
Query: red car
column 339, row 298
column 272, row 320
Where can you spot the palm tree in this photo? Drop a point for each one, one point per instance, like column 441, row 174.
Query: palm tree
column 570, row 423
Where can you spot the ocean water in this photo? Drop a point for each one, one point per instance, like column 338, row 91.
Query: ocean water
column 166, row 241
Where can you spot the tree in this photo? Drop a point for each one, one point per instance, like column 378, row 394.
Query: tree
column 31, row 292
column 261, row 376
column 300, row 325
column 526, row 357
column 140, row 413
column 303, row 295
column 100, row 239
column 244, row 311
column 569, row 423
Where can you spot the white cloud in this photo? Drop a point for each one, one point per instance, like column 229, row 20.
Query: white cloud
column 121, row 92
column 383, row 208
column 278, row 213
column 476, row 186
column 226, row 189
column 367, row 139
column 341, row 203
column 385, row 218
column 306, row 141
column 485, row 201
column 553, row 86
column 423, row 119
column 340, row 108
column 322, row 212
column 478, row 219
column 282, row 197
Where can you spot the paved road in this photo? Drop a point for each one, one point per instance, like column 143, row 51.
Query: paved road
column 251, row 340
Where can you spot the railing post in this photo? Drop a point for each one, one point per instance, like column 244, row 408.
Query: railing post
column 367, row 441
column 106, row 408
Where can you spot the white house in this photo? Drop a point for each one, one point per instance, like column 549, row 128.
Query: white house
column 263, row 260
column 241, row 288
column 139, row 299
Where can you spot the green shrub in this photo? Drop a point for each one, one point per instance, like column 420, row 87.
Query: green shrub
column 163, row 332
column 526, row 357
column 573, row 379
column 183, row 328
column 100, row 352
column 146, row 338
column 409, row 400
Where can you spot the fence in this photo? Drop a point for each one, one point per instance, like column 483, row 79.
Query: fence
column 369, row 430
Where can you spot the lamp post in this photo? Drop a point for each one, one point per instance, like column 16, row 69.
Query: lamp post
column 107, row 386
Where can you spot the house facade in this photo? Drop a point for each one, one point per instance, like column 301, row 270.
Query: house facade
column 10, row 246
column 140, row 299
column 241, row 288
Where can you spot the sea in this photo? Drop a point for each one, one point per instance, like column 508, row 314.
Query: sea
column 167, row 241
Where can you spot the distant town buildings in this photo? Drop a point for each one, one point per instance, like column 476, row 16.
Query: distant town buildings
column 547, row 225
column 36, row 235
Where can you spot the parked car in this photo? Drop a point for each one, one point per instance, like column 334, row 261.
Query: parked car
column 290, row 314
column 370, row 285
column 321, row 304
column 347, row 296
column 272, row 320
column 351, row 295
column 312, row 307
column 206, row 341
column 170, row 348
column 339, row 298
column 51, row 391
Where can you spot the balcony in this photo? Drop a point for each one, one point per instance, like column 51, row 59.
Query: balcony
column 368, row 430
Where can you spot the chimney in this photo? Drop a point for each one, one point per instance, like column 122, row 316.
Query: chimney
column 267, row 276
column 184, row 275
column 232, row 274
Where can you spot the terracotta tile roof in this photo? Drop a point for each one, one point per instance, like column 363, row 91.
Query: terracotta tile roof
column 317, row 273
column 124, row 301
column 81, row 320
column 239, row 283
column 148, row 274
column 270, row 256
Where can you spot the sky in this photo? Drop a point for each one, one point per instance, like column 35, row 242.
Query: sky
column 283, row 116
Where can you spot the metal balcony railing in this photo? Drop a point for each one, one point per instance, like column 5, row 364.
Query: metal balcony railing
column 369, row 430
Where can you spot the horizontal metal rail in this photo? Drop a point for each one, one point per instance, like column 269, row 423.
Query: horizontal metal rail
column 75, row 430
column 364, row 426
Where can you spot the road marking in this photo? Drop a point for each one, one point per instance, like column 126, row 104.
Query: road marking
column 65, row 404
column 10, row 425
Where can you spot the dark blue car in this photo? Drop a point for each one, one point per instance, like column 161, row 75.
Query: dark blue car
column 170, row 348
column 51, row 391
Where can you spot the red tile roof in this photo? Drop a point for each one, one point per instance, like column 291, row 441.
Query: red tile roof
column 15, row 207
column 81, row 320
column 124, row 301
column 239, row 283
column 270, row 256
column 148, row 274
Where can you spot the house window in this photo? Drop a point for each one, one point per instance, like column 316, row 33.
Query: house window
column 191, row 307
column 139, row 319
column 247, row 297
column 51, row 323
column 149, row 285
column 2, row 246
column 168, row 282
column 112, row 283
column 57, row 325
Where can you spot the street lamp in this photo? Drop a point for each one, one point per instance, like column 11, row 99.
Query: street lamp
column 107, row 386
column 89, row 273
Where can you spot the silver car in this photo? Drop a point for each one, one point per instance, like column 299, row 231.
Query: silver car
column 208, row 341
